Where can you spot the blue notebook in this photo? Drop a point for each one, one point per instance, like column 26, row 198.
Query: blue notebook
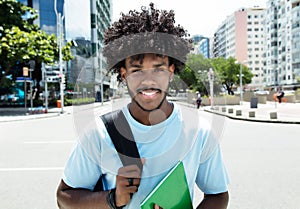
column 172, row 192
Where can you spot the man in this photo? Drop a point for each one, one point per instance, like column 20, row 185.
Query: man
column 280, row 95
column 198, row 99
column 146, row 50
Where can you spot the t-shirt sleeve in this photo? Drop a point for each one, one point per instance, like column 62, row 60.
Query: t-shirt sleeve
column 212, row 177
column 82, row 169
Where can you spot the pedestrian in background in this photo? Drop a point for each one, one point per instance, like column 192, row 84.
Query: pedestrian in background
column 280, row 95
column 146, row 49
column 198, row 99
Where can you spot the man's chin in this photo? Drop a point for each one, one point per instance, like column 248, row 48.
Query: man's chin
column 147, row 107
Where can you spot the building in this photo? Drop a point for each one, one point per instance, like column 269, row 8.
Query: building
column 46, row 14
column 241, row 35
column 295, row 10
column 80, row 68
column 101, row 12
column 282, row 43
column 201, row 45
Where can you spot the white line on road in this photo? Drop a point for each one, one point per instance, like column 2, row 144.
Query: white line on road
column 32, row 169
column 48, row 142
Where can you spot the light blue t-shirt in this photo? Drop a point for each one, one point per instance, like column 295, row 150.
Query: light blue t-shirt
column 183, row 136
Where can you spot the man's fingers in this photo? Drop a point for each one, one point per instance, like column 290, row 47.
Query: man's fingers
column 131, row 171
column 143, row 160
column 157, row 207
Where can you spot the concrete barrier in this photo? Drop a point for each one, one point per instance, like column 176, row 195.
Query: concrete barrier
column 273, row 115
column 230, row 110
column 251, row 114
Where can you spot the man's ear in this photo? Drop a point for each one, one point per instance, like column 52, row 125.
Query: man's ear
column 172, row 70
column 123, row 73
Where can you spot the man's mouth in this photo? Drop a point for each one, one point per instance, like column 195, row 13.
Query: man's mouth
column 149, row 92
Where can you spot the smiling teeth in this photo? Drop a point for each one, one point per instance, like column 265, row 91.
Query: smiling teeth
column 148, row 93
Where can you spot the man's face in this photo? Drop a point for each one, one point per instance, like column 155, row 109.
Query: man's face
column 148, row 80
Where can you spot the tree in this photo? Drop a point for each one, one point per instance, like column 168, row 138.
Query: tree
column 22, row 41
column 198, row 66
column 228, row 71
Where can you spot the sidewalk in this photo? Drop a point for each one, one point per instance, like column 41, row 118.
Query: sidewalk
column 19, row 113
column 286, row 112
column 270, row 112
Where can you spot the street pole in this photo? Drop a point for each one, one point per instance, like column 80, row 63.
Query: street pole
column 25, row 74
column 241, row 83
column 25, row 95
column 31, row 99
column 101, row 77
column 59, row 19
column 211, row 84
column 46, row 87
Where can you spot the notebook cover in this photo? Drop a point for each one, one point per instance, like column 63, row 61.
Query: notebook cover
column 171, row 193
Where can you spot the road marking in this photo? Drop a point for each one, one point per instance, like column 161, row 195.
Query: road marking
column 48, row 142
column 33, row 169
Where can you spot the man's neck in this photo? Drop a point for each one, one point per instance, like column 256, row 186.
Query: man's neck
column 151, row 117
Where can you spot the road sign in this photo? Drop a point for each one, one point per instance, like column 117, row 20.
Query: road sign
column 22, row 79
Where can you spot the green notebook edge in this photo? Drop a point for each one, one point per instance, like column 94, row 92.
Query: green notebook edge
column 172, row 192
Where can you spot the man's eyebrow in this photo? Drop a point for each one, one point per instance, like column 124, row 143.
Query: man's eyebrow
column 160, row 64
column 135, row 66
column 140, row 65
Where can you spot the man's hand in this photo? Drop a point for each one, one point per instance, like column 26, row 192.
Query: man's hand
column 127, row 183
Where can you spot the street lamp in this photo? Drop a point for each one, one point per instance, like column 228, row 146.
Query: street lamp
column 241, row 78
column 31, row 68
column 59, row 19
column 211, row 77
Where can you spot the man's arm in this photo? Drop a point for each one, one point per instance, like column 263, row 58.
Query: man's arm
column 214, row 201
column 68, row 197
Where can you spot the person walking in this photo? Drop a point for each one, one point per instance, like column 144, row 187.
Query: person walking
column 146, row 49
column 198, row 99
column 280, row 95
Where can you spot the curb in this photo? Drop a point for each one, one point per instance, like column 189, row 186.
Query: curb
column 254, row 119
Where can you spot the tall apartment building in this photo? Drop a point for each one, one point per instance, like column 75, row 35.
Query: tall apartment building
column 296, row 38
column 101, row 13
column 282, row 42
column 241, row 35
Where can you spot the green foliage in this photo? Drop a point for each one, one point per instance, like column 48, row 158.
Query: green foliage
column 13, row 13
column 226, row 71
column 22, row 41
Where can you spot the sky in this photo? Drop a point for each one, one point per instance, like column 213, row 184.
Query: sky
column 198, row 17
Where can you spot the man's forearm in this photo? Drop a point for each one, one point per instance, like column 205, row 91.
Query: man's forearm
column 68, row 198
column 214, row 201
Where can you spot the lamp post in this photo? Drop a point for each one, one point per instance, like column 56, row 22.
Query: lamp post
column 241, row 78
column 32, row 66
column 241, row 83
column 25, row 73
column 59, row 19
column 211, row 77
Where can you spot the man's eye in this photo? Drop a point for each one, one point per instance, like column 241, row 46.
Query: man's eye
column 159, row 70
column 136, row 71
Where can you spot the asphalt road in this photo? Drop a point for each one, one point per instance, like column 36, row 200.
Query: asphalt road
column 262, row 160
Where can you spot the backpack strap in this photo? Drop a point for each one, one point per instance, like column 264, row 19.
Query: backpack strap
column 123, row 140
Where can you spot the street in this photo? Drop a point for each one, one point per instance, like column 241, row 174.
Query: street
column 262, row 160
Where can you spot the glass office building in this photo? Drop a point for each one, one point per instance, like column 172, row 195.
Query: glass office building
column 46, row 14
